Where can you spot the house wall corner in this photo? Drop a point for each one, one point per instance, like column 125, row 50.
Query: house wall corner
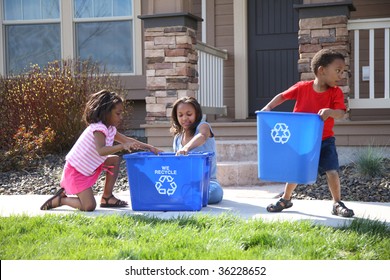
column 170, row 62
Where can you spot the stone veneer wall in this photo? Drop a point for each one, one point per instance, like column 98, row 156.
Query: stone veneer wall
column 319, row 33
column 171, row 63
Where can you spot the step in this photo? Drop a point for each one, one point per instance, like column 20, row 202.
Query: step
column 234, row 174
column 237, row 163
column 236, row 150
column 158, row 134
column 348, row 133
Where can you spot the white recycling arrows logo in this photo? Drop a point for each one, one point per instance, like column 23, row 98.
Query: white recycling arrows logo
column 166, row 185
column 280, row 133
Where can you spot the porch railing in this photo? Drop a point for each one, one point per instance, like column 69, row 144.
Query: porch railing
column 210, row 69
column 380, row 99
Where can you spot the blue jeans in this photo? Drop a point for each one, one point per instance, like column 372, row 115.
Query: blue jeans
column 215, row 192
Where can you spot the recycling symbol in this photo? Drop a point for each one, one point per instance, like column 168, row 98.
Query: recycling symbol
column 166, row 185
column 280, row 133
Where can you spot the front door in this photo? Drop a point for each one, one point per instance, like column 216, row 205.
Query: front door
column 272, row 51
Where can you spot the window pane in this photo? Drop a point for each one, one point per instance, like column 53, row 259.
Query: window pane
column 12, row 9
column 123, row 7
column 36, row 44
column 109, row 43
column 50, row 9
column 31, row 9
column 83, row 9
column 102, row 8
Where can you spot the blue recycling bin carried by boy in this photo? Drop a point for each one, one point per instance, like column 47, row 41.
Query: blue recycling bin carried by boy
column 289, row 146
column 166, row 182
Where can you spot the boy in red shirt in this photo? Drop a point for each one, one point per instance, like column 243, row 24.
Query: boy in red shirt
column 321, row 96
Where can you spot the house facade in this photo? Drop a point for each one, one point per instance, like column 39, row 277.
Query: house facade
column 233, row 55
column 269, row 46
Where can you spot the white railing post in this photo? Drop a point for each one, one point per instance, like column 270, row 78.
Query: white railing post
column 204, row 22
column 357, row 64
column 387, row 63
column 372, row 63
column 211, row 75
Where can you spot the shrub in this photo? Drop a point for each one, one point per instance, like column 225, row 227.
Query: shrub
column 370, row 162
column 42, row 109
column 28, row 145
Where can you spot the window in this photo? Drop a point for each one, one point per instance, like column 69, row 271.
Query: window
column 40, row 31
column 104, row 33
column 32, row 33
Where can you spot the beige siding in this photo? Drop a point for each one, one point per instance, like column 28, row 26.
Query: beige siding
column 371, row 9
column 134, row 116
column 197, row 11
column 224, row 39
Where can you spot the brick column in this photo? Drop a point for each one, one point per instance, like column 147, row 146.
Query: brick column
column 323, row 26
column 171, row 62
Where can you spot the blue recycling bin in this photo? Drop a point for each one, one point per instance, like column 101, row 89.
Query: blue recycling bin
column 206, row 179
column 166, row 182
column 289, row 146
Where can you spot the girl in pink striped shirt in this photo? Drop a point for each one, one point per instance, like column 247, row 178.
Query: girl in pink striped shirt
column 94, row 152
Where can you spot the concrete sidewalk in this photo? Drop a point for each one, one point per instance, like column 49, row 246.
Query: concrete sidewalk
column 246, row 202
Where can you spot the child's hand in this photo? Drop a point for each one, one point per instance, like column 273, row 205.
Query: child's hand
column 266, row 108
column 325, row 113
column 130, row 146
column 182, row 152
column 155, row 150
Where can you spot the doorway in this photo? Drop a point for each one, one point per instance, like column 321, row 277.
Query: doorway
column 272, row 51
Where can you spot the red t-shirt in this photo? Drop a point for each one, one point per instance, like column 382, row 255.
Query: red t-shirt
column 310, row 101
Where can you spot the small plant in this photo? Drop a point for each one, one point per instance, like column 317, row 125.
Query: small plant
column 370, row 162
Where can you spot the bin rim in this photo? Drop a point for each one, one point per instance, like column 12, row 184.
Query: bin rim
column 164, row 154
column 287, row 113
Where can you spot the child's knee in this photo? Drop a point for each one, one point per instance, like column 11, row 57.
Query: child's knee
column 332, row 173
column 113, row 160
column 89, row 206
column 117, row 161
column 215, row 192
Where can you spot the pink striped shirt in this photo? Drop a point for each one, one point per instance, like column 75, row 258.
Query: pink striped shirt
column 83, row 156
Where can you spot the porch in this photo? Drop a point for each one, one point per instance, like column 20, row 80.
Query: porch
column 369, row 91
column 237, row 138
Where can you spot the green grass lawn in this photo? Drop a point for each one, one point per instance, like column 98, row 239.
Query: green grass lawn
column 199, row 237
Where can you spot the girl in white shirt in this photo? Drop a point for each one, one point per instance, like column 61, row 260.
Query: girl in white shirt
column 94, row 152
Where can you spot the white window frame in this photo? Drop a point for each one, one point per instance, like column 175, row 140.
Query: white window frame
column 68, row 45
